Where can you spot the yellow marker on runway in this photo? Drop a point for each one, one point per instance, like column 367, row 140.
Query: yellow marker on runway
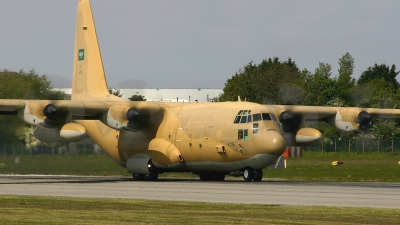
column 337, row 163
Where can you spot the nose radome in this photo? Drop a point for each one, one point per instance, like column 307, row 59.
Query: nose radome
column 270, row 142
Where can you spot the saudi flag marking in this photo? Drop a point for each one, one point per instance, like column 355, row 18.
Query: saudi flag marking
column 81, row 54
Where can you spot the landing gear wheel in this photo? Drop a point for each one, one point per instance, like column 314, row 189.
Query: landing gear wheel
column 248, row 174
column 219, row 177
column 137, row 177
column 212, row 176
column 151, row 177
column 204, row 176
column 258, row 175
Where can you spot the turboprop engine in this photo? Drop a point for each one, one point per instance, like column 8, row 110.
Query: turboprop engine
column 42, row 113
column 70, row 132
column 122, row 117
column 351, row 119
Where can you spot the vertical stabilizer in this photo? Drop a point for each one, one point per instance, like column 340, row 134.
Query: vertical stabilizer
column 89, row 81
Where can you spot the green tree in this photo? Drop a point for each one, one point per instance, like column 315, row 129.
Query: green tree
column 320, row 87
column 27, row 85
column 115, row 91
column 378, row 72
column 22, row 85
column 345, row 82
column 324, row 69
column 137, row 98
column 268, row 82
column 377, row 88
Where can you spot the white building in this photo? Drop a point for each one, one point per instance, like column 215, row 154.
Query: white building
column 167, row 95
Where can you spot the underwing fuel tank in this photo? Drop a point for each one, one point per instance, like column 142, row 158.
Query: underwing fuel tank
column 307, row 136
column 70, row 132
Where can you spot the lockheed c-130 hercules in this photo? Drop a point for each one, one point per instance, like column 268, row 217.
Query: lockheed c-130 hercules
column 149, row 138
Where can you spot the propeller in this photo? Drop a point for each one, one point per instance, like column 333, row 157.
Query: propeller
column 287, row 119
column 363, row 119
column 50, row 111
column 133, row 115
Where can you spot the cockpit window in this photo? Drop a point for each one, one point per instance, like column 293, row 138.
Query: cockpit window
column 257, row 117
column 266, row 116
column 243, row 116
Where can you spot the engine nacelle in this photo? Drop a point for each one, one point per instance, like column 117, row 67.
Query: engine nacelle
column 70, row 132
column 121, row 117
column 115, row 117
column 40, row 113
column 32, row 113
column 351, row 119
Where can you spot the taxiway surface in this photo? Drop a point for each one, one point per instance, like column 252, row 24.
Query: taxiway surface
column 382, row 195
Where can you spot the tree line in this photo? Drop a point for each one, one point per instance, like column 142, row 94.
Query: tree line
column 275, row 81
column 28, row 85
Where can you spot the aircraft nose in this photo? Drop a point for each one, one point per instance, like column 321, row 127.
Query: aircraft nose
column 270, row 142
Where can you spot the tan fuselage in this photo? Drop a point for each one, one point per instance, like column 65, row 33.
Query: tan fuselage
column 202, row 133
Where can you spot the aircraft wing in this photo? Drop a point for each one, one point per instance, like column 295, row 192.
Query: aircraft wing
column 10, row 105
column 308, row 112
column 383, row 113
column 35, row 112
column 321, row 112
column 342, row 118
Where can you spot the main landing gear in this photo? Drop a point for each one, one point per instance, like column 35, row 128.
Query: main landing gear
column 250, row 174
column 152, row 176
column 146, row 177
column 212, row 176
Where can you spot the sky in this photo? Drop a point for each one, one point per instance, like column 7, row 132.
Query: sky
column 199, row 44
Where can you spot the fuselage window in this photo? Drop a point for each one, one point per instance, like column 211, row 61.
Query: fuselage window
column 266, row 116
column 255, row 128
column 246, row 134
column 257, row 117
column 243, row 119
column 240, row 134
column 237, row 119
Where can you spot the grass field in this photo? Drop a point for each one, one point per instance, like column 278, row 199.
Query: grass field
column 54, row 210
column 312, row 166
column 376, row 167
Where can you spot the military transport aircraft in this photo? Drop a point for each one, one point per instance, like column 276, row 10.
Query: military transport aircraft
column 149, row 138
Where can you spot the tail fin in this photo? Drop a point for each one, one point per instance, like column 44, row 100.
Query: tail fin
column 89, row 81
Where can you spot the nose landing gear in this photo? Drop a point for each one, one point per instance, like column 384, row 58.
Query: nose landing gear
column 250, row 174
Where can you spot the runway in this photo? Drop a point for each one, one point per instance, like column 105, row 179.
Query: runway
column 271, row 192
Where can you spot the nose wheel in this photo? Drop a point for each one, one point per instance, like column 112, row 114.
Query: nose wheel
column 250, row 174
